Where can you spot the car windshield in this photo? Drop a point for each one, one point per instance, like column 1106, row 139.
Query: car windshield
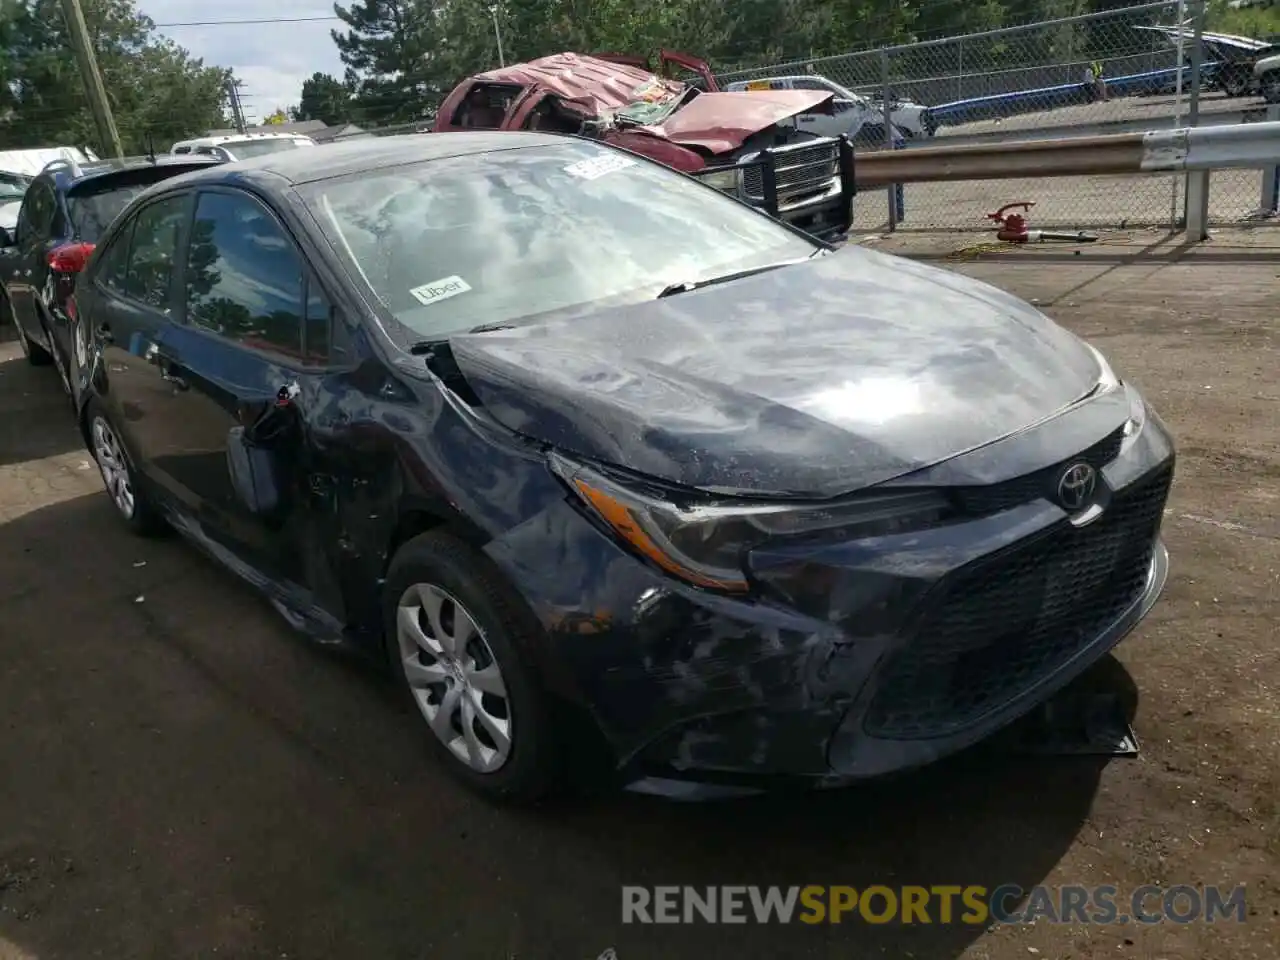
column 244, row 149
column 654, row 102
column 448, row 245
column 12, row 187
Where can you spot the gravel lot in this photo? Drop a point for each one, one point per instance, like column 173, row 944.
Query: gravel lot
column 181, row 776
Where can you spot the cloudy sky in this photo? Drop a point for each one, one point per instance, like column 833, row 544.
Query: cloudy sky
column 270, row 58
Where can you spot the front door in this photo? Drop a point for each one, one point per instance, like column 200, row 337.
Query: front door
column 243, row 337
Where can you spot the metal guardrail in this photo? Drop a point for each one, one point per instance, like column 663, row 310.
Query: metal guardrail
column 1238, row 146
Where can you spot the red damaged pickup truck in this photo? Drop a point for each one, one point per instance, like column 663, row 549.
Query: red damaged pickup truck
column 747, row 144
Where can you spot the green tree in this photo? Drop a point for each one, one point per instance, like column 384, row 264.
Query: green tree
column 155, row 88
column 387, row 49
column 324, row 98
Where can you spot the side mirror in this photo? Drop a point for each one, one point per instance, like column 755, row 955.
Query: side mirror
column 253, row 473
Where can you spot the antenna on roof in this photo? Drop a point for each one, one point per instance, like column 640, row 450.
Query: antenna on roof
column 151, row 148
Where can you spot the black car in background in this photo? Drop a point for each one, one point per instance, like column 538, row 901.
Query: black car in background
column 578, row 443
column 64, row 210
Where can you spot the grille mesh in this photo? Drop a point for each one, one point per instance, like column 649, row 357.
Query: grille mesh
column 799, row 170
column 1004, row 626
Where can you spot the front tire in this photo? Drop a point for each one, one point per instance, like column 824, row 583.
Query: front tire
column 458, row 638
column 132, row 504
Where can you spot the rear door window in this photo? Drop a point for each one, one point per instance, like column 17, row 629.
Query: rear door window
column 154, row 251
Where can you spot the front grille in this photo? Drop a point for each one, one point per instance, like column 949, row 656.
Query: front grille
column 1011, row 621
column 992, row 498
column 798, row 169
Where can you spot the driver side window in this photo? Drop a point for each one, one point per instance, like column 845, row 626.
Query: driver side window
column 486, row 105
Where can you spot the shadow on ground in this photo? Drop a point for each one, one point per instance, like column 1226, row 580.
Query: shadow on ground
column 36, row 419
column 180, row 774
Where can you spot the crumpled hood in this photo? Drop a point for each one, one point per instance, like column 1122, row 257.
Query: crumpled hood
column 722, row 122
column 809, row 381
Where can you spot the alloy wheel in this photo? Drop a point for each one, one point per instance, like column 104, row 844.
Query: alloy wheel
column 114, row 467
column 454, row 677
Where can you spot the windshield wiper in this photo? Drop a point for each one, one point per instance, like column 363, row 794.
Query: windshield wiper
column 421, row 348
column 684, row 286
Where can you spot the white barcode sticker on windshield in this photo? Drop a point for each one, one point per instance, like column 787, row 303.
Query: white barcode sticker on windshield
column 598, row 166
column 438, row 290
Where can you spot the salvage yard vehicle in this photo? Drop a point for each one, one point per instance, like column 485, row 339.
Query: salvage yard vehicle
column 748, row 145
column 241, row 146
column 857, row 117
column 1267, row 74
column 63, row 212
column 580, row 445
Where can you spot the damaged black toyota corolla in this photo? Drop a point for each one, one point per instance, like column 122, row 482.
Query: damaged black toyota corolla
column 573, row 439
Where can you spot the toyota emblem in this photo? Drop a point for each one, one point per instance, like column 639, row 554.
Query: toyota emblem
column 1076, row 487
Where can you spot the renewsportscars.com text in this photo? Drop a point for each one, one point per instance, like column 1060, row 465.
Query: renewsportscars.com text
column 942, row 904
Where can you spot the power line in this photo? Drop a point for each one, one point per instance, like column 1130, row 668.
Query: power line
column 237, row 23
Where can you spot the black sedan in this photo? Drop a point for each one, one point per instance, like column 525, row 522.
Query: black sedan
column 581, row 445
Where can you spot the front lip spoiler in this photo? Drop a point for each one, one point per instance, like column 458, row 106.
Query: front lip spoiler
column 695, row 790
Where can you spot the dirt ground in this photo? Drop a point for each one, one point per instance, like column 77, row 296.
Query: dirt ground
column 181, row 776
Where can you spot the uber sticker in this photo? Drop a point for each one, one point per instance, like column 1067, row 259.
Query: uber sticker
column 598, row 166
column 439, row 290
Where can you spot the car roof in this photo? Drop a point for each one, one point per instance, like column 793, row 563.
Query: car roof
column 366, row 154
column 224, row 138
column 574, row 76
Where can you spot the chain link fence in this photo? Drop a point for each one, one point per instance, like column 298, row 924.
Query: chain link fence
column 1085, row 75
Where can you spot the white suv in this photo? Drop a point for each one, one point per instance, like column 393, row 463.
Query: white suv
column 241, row 146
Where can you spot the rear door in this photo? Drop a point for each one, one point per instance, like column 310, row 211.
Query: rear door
column 123, row 309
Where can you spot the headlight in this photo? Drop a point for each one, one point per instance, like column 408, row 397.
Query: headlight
column 726, row 180
column 705, row 542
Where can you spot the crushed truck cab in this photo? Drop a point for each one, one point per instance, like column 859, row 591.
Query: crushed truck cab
column 746, row 144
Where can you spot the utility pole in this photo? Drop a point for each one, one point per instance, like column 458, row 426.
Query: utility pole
column 497, row 33
column 233, row 97
column 93, row 87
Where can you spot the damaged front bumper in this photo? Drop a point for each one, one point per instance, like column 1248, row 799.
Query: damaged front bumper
column 855, row 660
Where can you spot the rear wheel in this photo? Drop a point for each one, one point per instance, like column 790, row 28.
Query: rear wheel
column 118, row 475
column 458, row 639
column 1235, row 82
column 1270, row 84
